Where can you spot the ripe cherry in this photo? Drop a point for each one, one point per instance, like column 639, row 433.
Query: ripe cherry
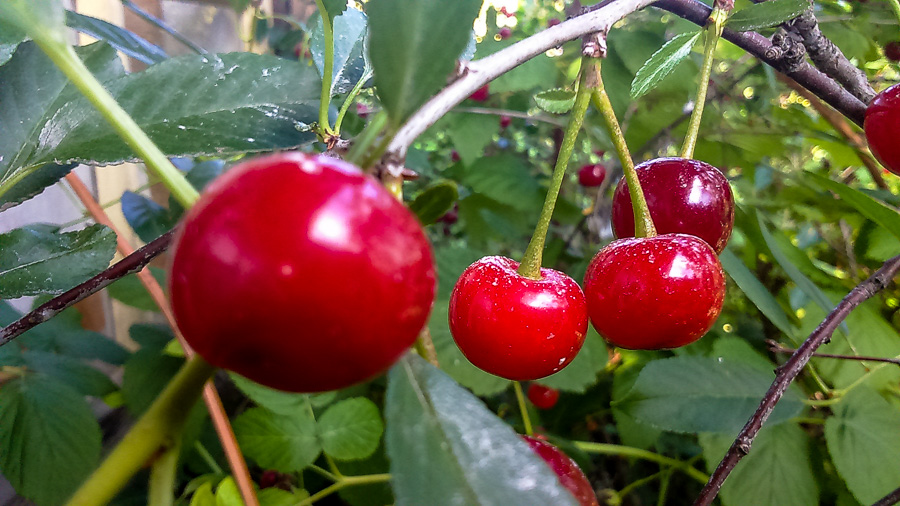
column 505, row 121
column 301, row 273
column 543, row 397
column 481, row 94
column 516, row 327
column 505, row 33
column 892, row 50
column 654, row 293
column 553, row 22
column 882, row 124
column 570, row 475
column 684, row 197
column 591, row 176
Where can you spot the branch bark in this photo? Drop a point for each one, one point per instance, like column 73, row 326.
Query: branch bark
column 788, row 372
column 888, row 500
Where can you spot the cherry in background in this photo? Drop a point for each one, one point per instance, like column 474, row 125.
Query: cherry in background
column 592, row 176
column 882, row 126
column 513, row 326
column 481, row 94
column 543, row 397
column 892, row 50
column 684, row 197
column 505, row 121
column 301, row 273
column 570, row 475
column 505, row 33
column 655, row 292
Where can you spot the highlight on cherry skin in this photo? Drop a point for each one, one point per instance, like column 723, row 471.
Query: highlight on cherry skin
column 513, row 326
column 301, row 273
column 656, row 292
column 882, row 124
column 684, row 197
column 591, row 176
column 570, row 475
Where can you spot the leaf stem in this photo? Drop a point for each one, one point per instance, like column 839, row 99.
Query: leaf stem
column 628, row 451
column 713, row 32
column 328, row 71
column 895, row 6
column 366, row 138
column 157, row 430
column 643, row 223
column 531, row 262
column 348, row 101
column 523, row 408
column 346, row 481
column 162, row 476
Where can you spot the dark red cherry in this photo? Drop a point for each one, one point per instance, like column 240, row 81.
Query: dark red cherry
column 684, row 197
column 570, row 475
column 892, row 50
column 654, row 293
column 592, row 175
column 481, row 94
column 505, row 121
column 543, row 397
column 505, row 33
column 516, row 327
column 553, row 22
column 301, row 273
column 882, row 126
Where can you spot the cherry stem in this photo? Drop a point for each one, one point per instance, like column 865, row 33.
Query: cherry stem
column 343, row 482
column 366, row 138
column 523, row 408
column 162, row 476
column 157, row 431
column 628, row 451
column 351, row 97
column 713, row 32
column 531, row 262
column 327, row 71
column 643, row 223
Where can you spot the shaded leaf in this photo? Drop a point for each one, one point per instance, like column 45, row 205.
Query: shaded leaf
column 470, row 134
column 286, row 443
column 148, row 219
column 127, row 42
column 557, row 101
column 33, row 184
column 350, row 429
column 350, row 64
column 866, row 205
column 766, row 14
column 582, row 372
column 662, row 63
column 758, row 294
column 434, row 201
column 71, row 372
column 130, row 291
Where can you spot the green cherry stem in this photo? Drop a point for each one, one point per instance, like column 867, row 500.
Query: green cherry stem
column 643, row 223
column 162, row 476
column 523, row 408
column 628, row 451
column 361, row 144
column 328, row 39
column 531, row 262
column 348, row 101
column 713, row 32
column 343, row 482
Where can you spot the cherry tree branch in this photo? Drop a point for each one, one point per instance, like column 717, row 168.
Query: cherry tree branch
column 788, row 371
column 888, row 500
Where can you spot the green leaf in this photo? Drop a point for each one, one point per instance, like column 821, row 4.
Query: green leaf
column 335, row 7
column 130, row 291
column 283, row 403
column 866, row 205
column 33, row 184
column 447, row 448
column 505, row 178
column 276, row 497
column 204, row 496
column 49, row 439
column 148, row 219
column 758, row 294
column 411, row 52
column 697, row 394
column 70, row 371
column 556, row 101
column 128, row 43
column 147, row 373
column 227, row 493
column 581, row 374
column 286, row 443
column 10, row 38
column 864, row 443
column 350, row 64
column 351, row 429
column 776, row 472
column 662, row 63
column 434, row 201
column 766, row 14
column 36, row 16
column 470, row 134
column 38, row 259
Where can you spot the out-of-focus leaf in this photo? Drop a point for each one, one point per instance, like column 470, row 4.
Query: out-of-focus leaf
column 123, row 40
column 662, row 63
column 766, row 14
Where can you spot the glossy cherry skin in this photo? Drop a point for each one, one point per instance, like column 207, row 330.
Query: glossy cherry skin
column 654, row 293
column 684, row 197
column 516, row 327
column 543, row 397
column 301, row 273
column 591, row 176
column 481, row 94
column 892, row 50
column 570, row 475
column 882, row 125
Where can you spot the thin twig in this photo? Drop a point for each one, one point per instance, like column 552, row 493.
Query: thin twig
column 888, row 500
column 512, row 114
column 162, row 25
column 776, row 347
column 789, row 370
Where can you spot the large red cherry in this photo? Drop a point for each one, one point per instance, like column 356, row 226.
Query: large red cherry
column 684, row 197
column 570, row 475
column 882, row 124
column 654, row 293
column 516, row 327
column 301, row 273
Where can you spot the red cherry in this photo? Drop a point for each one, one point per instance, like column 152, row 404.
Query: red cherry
column 654, row 293
column 269, row 478
column 541, row 396
column 516, row 327
column 301, row 273
column 481, row 94
column 592, row 175
column 684, row 197
column 362, row 110
column 505, row 121
column 454, row 156
column 892, row 50
column 451, row 216
column 882, row 124
column 570, row 475
column 553, row 22
column 505, row 33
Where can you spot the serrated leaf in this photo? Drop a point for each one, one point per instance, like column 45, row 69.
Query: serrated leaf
column 776, row 472
column 127, row 42
column 276, row 401
column 864, row 443
column 148, row 219
column 335, row 7
column 434, row 201
column 33, row 184
column 130, row 291
column 49, row 439
column 350, row 59
column 70, row 371
column 286, row 443
column 766, row 14
column 447, row 448
column 866, row 205
column 557, row 101
column 693, row 394
column 758, row 294
column 412, row 58
column 38, row 259
column 506, row 179
column 350, row 429
column 662, row 63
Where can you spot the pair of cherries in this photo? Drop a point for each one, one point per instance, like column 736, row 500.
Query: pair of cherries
column 647, row 293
